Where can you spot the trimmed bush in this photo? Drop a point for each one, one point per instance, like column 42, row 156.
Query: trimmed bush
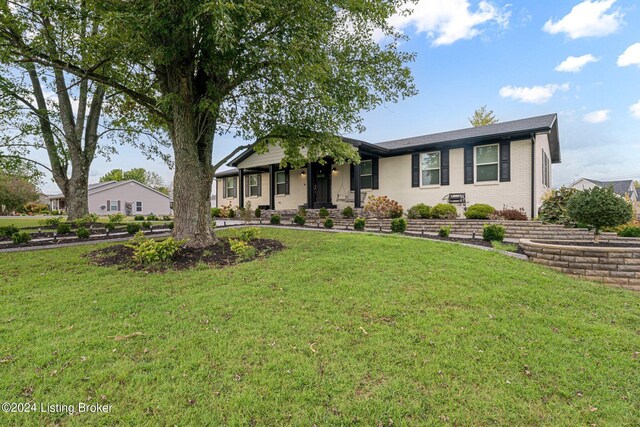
column 149, row 251
column 348, row 212
column 629, row 231
column 323, row 212
column 248, row 234
column 444, row 231
column 328, row 223
column 109, row 226
column 133, row 227
column 299, row 219
column 21, row 237
column 83, row 233
column 242, row 249
column 170, row 225
column 138, row 218
column 166, row 218
column 258, row 212
column 9, row 230
column 419, row 211
column 554, row 206
column 216, row 213
column 231, row 213
column 479, row 211
column 152, row 217
column 275, row 219
column 63, row 228
column 116, row 218
column 302, row 212
column 383, row 207
column 599, row 207
column 444, row 211
column 359, row 223
column 510, row 214
column 493, row 233
column 146, row 224
column 50, row 222
column 399, row 225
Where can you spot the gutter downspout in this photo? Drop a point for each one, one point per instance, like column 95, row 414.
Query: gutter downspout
column 533, row 176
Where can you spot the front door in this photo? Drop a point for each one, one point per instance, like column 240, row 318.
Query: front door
column 322, row 186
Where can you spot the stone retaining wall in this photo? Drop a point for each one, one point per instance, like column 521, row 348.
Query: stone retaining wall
column 614, row 266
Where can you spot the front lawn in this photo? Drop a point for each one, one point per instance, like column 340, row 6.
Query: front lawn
column 337, row 329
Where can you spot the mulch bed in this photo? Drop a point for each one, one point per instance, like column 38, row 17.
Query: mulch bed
column 219, row 255
column 60, row 241
column 589, row 244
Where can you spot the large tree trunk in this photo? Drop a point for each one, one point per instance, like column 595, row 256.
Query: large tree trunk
column 77, row 195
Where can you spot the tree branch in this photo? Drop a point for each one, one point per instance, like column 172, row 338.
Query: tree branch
column 13, row 156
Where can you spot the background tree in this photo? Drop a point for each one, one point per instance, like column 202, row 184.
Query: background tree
column 636, row 183
column 143, row 176
column 290, row 72
column 482, row 117
column 599, row 207
column 15, row 191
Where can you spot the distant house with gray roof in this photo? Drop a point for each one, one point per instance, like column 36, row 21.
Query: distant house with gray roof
column 624, row 188
column 505, row 164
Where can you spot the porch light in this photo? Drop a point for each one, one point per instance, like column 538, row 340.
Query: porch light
column 334, row 170
column 303, row 173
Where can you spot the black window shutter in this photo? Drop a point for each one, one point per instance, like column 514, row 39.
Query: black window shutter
column 505, row 161
column 374, row 174
column 259, row 184
column 119, row 206
column 108, row 205
column 352, row 175
column 247, row 190
column 444, row 167
column 415, row 170
column 468, row 165
column 286, row 181
column 235, row 186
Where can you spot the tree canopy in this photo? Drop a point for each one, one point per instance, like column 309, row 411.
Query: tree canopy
column 143, row 176
column 482, row 117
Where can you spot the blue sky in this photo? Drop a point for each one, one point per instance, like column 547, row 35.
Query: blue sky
column 515, row 58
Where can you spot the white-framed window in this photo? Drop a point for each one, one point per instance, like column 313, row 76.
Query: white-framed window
column 366, row 174
column 430, row 168
column 230, row 187
column 487, row 162
column 113, row 205
column 281, row 182
column 254, row 189
column 138, row 206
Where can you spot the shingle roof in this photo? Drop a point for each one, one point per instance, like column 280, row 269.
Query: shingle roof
column 523, row 126
column 620, row 187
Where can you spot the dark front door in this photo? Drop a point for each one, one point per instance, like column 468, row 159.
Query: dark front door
column 322, row 186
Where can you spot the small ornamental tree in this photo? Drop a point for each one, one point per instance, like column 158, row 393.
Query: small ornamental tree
column 554, row 206
column 597, row 208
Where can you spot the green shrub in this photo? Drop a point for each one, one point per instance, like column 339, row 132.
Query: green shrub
column 21, row 237
column 554, row 206
column 444, row 211
column 139, row 218
column 242, row 249
column 383, row 207
column 328, row 223
column 170, row 225
column 629, row 231
column 8, row 230
column 599, row 207
column 216, row 213
column 83, row 233
column 493, row 233
column 246, row 213
column 299, row 219
column 399, row 225
column 109, row 226
column 133, row 227
column 50, row 222
column 116, row 218
column 323, row 213
column 510, row 214
column 348, row 212
column 152, row 217
column 63, row 228
column 231, row 213
column 258, row 213
column 302, row 212
column 146, row 224
column 419, row 211
column 444, row 231
column 166, row 218
column 248, row 234
column 359, row 223
column 479, row 211
column 88, row 219
column 275, row 219
column 149, row 251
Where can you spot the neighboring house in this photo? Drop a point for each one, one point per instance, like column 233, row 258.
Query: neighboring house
column 624, row 188
column 127, row 197
column 504, row 164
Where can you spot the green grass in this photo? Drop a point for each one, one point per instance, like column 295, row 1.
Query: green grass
column 338, row 329
column 501, row 246
column 27, row 221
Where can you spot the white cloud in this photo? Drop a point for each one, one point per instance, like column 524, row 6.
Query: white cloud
column 631, row 56
column 534, row 94
column 597, row 116
column 635, row 110
column 446, row 22
column 574, row 64
column 587, row 19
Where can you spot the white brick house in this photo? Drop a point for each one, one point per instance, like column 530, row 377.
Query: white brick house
column 504, row 164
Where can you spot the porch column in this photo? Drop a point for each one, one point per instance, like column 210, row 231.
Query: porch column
column 309, row 188
column 356, row 186
column 240, row 188
column 272, row 187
